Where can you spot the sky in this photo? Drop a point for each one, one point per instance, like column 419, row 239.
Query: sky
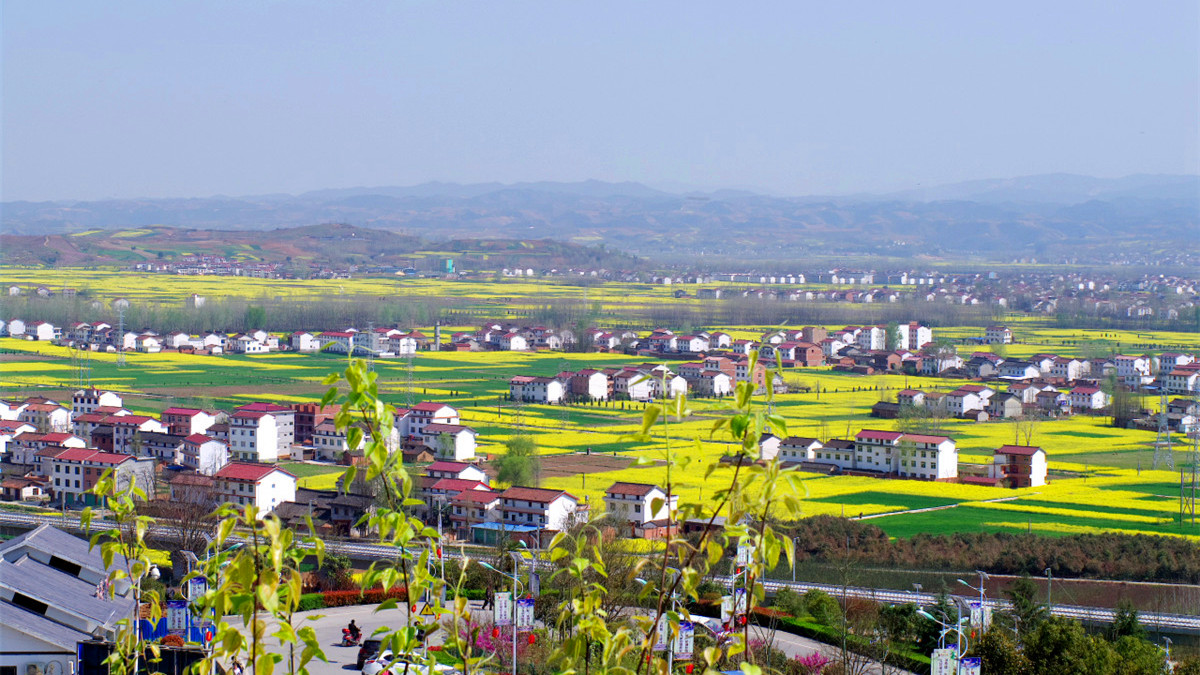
column 104, row 99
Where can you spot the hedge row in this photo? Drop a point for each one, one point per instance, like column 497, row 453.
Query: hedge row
column 310, row 601
column 912, row 662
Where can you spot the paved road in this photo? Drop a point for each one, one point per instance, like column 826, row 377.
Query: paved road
column 1163, row 622
column 342, row 660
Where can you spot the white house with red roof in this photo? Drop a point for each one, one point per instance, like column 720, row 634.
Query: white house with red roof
column 1020, row 465
column 25, row 445
column 1134, row 371
column 75, row 471
column 304, row 341
column 125, row 429
column 254, row 436
column 635, row 503
column 459, row 470
column 10, row 429
column 285, row 420
column 263, row 485
column 450, row 441
column 204, row 454
column 472, row 507
column 42, row 330
column 338, row 342
column 445, row 488
column 187, row 421
column 46, row 416
column 1182, row 380
column 548, row 510
column 1087, row 399
column 633, row 384
column 530, row 389
column 428, row 412
column 88, row 400
column 907, row 455
column 513, row 342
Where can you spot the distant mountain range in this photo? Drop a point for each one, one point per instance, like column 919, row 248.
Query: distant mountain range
column 1054, row 215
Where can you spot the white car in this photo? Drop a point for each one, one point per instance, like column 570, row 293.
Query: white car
column 383, row 665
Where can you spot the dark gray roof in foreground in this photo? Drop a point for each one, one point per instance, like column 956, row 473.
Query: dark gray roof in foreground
column 64, row 591
column 38, row 626
column 54, row 541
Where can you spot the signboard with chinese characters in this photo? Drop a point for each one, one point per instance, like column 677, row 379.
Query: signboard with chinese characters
column 739, row 601
column 685, row 641
column 197, row 587
column 177, row 616
column 745, row 554
column 971, row 666
column 502, row 610
column 663, row 634
column 942, row 662
column 726, row 608
column 524, row 613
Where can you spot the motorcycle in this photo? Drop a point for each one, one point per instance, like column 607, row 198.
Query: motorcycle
column 350, row 639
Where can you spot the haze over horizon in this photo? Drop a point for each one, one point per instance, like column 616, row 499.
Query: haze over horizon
column 145, row 100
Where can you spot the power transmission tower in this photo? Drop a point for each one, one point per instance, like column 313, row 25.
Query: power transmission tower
column 1193, row 459
column 1162, row 443
column 121, row 337
column 372, row 341
column 408, row 384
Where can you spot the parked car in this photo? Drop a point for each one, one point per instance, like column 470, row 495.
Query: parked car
column 385, row 664
column 368, row 650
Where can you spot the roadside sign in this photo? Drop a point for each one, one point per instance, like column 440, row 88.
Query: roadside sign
column 685, row 641
column 942, row 662
column 745, row 554
column 177, row 616
column 739, row 601
column 663, row 633
column 197, row 587
column 524, row 613
column 502, row 609
column 971, row 666
column 726, row 608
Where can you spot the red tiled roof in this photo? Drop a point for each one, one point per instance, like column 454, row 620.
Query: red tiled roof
column 262, row 406
column 1025, row 450
column 92, row 455
column 923, row 438
column 247, row 471
column 332, row 333
column 198, row 439
column 445, row 428
column 57, row 437
column 457, row 485
column 636, row 489
column 182, row 411
column 874, row 435
column 447, row 466
column 529, row 494
column 429, row 406
column 476, row 497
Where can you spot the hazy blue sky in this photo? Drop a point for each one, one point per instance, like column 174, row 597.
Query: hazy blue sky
column 122, row 99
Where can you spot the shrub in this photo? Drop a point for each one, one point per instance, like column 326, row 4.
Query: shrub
column 172, row 641
column 310, row 601
column 372, row 596
column 822, row 607
column 789, row 601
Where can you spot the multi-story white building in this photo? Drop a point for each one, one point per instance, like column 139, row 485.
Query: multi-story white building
column 187, row 421
column 75, row 471
column 303, row 341
column 1183, row 380
column 127, row 428
column 253, row 436
column 285, row 420
column 204, row 454
column 450, row 441
column 46, row 416
column 88, row 400
column 633, row 384
column 549, row 510
column 536, row 389
column 1134, row 371
column 1000, row 335
column 262, row 485
column 914, row 336
column 635, row 503
column 906, row 455
column 798, row 449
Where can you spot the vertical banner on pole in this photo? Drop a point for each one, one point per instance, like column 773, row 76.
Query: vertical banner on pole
column 177, row 616
column 976, row 615
column 502, row 609
column 971, row 666
column 535, row 584
column 745, row 553
column 942, row 662
column 685, row 641
column 524, row 613
column 726, row 608
column 739, row 601
column 663, row 634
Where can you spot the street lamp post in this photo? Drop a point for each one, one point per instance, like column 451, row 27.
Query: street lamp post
column 135, row 623
column 674, row 602
column 1049, row 590
column 516, row 583
column 795, row 548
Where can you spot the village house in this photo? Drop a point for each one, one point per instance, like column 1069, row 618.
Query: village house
column 450, row 441
column 1019, row 465
column 546, row 390
column 263, row 485
column 473, row 507
column 1087, row 399
column 10, row 429
column 458, row 470
column 303, row 341
column 88, row 400
column 1134, row 371
column 547, row 510
column 127, row 430
column 799, row 449
column 1182, row 380
column 46, row 416
column 998, row 335
column 633, row 385
column 204, row 454
column 75, row 471
column 187, row 421
column 254, row 436
column 1005, row 406
column 634, row 506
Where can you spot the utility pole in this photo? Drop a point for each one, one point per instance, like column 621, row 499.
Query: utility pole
column 121, row 336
